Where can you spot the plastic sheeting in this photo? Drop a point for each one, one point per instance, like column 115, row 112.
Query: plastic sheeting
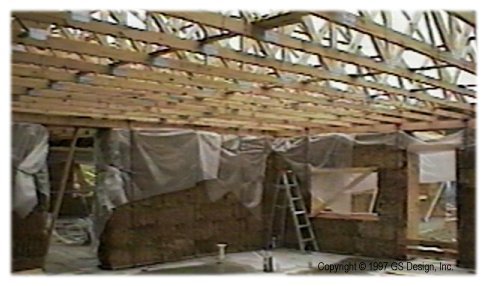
column 303, row 154
column 140, row 164
column 242, row 170
column 435, row 167
column 327, row 151
column 335, row 190
column 147, row 163
column 170, row 161
column 143, row 163
column 29, row 168
column 308, row 156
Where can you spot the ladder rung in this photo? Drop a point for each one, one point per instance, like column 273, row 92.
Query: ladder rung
column 295, row 198
column 308, row 239
column 303, row 225
column 299, row 212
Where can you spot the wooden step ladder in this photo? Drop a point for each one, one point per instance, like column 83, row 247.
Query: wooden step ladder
column 287, row 196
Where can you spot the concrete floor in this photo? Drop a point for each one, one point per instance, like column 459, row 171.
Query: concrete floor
column 64, row 259
column 438, row 229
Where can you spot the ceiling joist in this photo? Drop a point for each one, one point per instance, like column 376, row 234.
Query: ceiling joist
column 280, row 74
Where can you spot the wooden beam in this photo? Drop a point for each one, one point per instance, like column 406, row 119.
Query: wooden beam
column 169, row 86
column 194, row 46
column 273, row 115
column 36, row 105
column 79, row 121
column 466, row 16
column 247, row 29
column 45, row 60
column 224, row 72
column 438, row 125
column 368, row 27
column 53, row 75
column 284, row 19
column 130, row 85
column 408, row 126
column 57, row 107
column 309, row 106
column 83, row 121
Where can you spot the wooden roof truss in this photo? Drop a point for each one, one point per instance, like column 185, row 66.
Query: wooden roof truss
column 281, row 74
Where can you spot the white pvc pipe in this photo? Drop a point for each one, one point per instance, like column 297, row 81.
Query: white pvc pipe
column 221, row 252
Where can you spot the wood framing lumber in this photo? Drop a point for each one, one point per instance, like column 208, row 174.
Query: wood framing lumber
column 104, row 83
column 280, row 20
column 217, row 71
column 189, row 115
column 84, row 121
column 391, row 128
column 194, row 46
column 80, row 121
column 284, row 114
column 284, row 19
column 365, row 26
column 466, row 16
column 249, row 30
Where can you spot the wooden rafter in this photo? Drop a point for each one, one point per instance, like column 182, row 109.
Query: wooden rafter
column 280, row 20
column 43, row 60
column 368, row 27
column 284, row 76
column 467, row 16
column 241, row 27
column 194, row 46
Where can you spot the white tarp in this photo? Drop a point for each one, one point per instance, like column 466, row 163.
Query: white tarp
column 335, row 189
column 307, row 155
column 439, row 166
column 170, row 161
column 143, row 163
column 242, row 170
column 30, row 175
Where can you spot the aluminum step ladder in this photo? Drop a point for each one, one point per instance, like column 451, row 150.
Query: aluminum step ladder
column 288, row 196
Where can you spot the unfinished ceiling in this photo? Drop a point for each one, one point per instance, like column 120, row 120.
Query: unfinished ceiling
column 281, row 74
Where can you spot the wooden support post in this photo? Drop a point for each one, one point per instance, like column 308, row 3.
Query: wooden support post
column 62, row 188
